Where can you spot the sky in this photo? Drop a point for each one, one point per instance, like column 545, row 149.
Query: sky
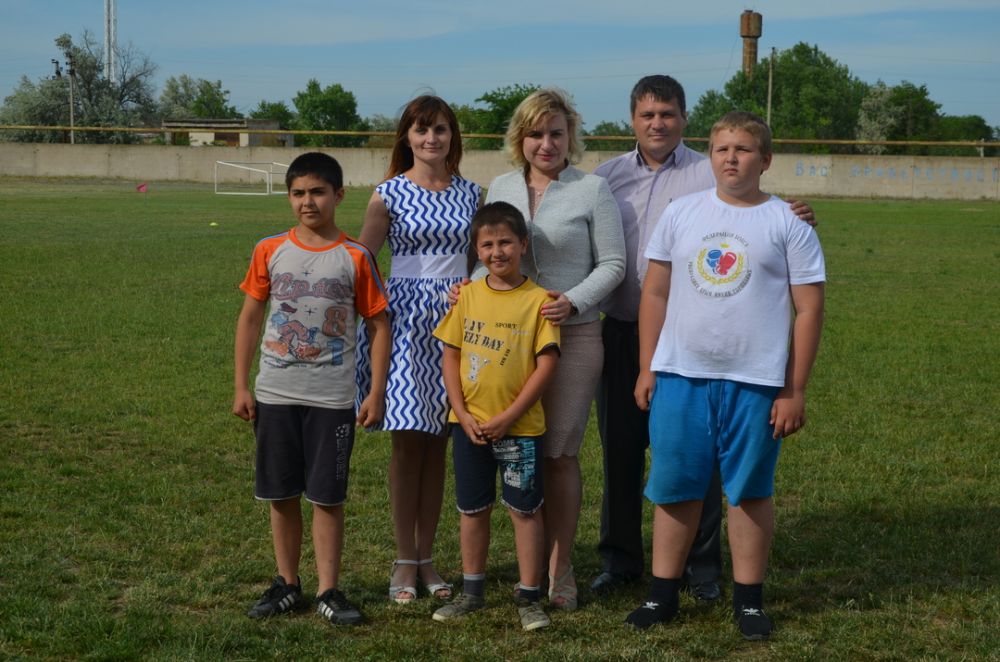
column 387, row 52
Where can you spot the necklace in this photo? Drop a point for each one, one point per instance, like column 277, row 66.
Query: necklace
column 536, row 199
column 535, row 196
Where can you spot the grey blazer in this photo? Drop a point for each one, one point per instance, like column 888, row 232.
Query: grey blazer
column 576, row 245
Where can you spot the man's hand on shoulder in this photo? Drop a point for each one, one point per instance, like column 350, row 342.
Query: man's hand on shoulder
column 802, row 209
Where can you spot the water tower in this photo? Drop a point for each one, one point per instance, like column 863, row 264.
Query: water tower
column 751, row 27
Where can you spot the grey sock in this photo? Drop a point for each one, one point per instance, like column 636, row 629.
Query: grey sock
column 474, row 584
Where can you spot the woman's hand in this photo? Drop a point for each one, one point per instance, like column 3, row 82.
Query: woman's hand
column 559, row 309
column 454, row 291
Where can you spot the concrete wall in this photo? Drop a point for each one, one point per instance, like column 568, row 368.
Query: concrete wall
column 917, row 177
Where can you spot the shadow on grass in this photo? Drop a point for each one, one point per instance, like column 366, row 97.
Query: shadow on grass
column 864, row 556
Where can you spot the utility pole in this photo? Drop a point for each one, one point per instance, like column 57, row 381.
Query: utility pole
column 770, row 85
column 72, row 77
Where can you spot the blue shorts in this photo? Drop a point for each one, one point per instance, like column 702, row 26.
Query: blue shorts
column 303, row 449
column 520, row 462
column 694, row 423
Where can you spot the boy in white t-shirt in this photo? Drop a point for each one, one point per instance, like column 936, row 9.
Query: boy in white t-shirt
column 717, row 373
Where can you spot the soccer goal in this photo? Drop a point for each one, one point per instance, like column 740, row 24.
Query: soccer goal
column 247, row 178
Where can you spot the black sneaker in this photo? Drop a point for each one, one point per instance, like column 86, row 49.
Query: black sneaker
column 753, row 623
column 280, row 598
column 651, row 613
column 333, row 606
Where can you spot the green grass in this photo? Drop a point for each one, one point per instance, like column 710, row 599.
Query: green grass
column 128, row 528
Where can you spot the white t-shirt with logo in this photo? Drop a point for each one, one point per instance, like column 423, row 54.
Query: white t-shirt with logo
column 729, row 310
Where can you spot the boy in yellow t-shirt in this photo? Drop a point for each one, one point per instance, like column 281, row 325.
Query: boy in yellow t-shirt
column 499, row 354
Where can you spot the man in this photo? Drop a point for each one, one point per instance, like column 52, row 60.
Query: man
column 644, row 181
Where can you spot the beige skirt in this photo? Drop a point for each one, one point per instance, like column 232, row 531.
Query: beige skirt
column 569, row 395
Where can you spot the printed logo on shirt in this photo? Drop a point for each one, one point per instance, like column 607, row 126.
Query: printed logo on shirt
column 721, row 268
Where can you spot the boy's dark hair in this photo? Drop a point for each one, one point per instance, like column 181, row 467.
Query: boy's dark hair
column 498, row 213
column 318, row 164
column 495, row 213
column 660, row 87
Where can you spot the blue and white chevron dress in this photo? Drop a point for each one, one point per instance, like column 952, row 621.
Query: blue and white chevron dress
column 429, row 239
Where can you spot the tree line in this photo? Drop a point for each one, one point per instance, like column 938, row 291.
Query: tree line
column 813, row 97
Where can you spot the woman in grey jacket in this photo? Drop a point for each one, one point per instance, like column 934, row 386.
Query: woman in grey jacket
column 576, row 251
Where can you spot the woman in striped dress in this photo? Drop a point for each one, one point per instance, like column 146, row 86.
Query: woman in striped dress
column 423, row 208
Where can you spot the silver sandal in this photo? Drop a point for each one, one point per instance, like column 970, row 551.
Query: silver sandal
column 394, row 591
column 433, row 589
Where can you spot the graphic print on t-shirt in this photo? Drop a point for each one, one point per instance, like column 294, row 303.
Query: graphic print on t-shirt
column 297, row 326
column 721, row 268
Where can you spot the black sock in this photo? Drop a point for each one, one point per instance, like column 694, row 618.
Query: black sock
column 661, row 606
column 474, row 584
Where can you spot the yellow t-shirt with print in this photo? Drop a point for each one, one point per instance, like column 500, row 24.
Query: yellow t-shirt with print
column 499, row 333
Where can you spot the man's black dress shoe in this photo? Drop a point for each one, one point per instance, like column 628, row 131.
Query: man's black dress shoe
column 706, row 593
column 608, row 582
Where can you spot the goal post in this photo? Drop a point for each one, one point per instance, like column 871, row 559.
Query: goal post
column 249, row 178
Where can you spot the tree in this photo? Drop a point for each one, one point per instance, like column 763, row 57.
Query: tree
column 611, row 129
column 379, row 122
column 46, row 103
column 876, row 118
column 126, row 102
column 274, row 110
column 328, row 109
column 710, row 107
column 816, row 97
column 813, row 97
column 964, row 127
column 177, row 97
column 186, row 97
column 500, row 104
column 97, row 101
column 917, row 116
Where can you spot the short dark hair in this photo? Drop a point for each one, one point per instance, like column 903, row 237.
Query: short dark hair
column 498, row 213
column 493, row 214
column 660, row 87
column 319, row 164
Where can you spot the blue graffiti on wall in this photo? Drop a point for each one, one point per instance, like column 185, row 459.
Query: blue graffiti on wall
column 904, row 174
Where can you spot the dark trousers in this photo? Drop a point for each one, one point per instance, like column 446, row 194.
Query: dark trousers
column 624, row 432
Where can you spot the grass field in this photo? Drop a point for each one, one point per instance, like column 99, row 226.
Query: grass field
column 128, row 528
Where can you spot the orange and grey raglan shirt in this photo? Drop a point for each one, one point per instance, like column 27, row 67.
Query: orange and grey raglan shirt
column 315, row 297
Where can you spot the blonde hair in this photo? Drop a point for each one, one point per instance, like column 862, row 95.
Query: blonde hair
column 535, row 108
column 740, row 120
